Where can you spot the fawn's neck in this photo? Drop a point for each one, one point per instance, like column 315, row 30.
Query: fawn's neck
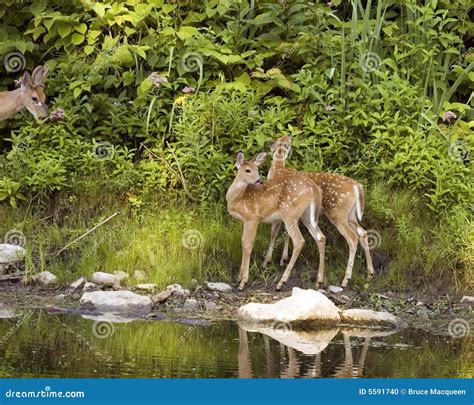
column 276, row 165
column 236, row 192
column 11, row 102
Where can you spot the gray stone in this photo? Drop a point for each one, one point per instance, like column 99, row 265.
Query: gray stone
column 106, row 279
column 45, row 278
column 146, row 287
column 161, row 296
column 334, row 289
column 220, row 287
column 117, row 301
column 89, row 286
column 79, row 283
column 210, row 306
column 177, row 290
column 467, row 300
column 304, row 307
column 11, row 253
column 190, row 304
column 371, row 319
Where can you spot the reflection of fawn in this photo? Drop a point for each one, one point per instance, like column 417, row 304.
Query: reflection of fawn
column 348, row 369
column 30, row 95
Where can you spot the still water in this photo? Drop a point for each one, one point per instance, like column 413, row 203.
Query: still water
column 42, row 344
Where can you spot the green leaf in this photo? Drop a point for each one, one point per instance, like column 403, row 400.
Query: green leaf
column 77, row 38
column 64, row 29
column 187, row 32
column 99, row 9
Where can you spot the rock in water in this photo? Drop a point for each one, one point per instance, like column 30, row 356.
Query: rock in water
column 220, row 287
column 371, row 319
column 304, row 307
column 117, row 301
column 11, row 253
column 106, row 279
column 45, row 278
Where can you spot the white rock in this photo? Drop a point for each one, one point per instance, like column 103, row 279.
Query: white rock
column 307, row 307
column 310, row 343
column 146, row 287
column 467, row 300
column 45, row 278
column 220, row 287
column 11, row 253
column 177, row 290
column 190, row 304
column 117, row 301
column 89, row 286
column 335, row 289
column 79, row 283
column 370, row 319
column 7, row 312
column 106, row 279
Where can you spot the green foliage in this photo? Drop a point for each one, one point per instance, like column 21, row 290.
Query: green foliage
column 362, row 86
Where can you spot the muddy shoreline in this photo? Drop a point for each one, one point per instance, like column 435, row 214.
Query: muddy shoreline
column 429, row 313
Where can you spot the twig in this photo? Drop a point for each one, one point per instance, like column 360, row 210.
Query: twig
column 87, row 233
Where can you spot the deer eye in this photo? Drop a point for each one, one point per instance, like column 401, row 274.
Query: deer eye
column 35, row 99
column 248, row 171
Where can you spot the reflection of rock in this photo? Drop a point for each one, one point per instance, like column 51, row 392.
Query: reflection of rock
column 306, row 342
column 367, row 333
column 370, row 319
column 8, row 313
column 304, row 307
column 117, row 301
column 108, row 317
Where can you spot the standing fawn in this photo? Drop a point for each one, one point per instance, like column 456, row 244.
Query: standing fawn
column 29, row 95
column 284, row 199
column 343, row 205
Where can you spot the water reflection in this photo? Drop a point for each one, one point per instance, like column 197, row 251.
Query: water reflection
column 311, row 345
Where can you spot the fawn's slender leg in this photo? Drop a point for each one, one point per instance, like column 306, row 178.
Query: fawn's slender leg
column 243, row 358
column 364, row 242
column 298, row 242
column 248, row 239
column 352, row 240
column 320, row 240
column 284, row 255
column 275, row 229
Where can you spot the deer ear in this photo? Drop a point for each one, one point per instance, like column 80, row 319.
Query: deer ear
column 25, row 81
column 260, row 158
column 36, row 76
column 44, row 74
column 240, row 160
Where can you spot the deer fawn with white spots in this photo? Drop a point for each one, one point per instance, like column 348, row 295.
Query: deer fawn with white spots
column 342, row 203
column 284, row 199
column 29, row 95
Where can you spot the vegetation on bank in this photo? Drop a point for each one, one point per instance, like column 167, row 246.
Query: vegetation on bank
column 153, row 100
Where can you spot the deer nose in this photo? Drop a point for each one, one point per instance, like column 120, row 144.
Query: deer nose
column 259, row 181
